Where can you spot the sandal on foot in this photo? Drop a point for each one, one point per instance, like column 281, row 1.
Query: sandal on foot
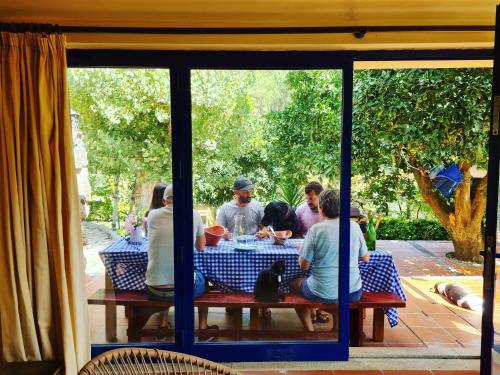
column 321, row 318
column 265, row 313
column 163, row 338
column 213, row 327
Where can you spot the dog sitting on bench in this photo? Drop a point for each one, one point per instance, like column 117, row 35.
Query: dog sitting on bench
column 459, row 296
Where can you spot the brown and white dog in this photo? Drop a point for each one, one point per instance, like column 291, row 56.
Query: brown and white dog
column 459, row 296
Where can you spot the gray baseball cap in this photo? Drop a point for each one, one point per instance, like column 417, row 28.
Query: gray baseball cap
column 242, row 183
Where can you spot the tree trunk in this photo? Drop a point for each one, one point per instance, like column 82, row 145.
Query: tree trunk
column 463, row 221
column 133, row 195
column 408, row 210
column 115, row 224
column 468, row 244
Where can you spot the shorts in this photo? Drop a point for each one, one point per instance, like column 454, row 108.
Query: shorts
column 167, row 294
column 308, row 294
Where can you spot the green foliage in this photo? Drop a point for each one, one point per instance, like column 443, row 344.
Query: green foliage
column 416, row 229
column 229, row 137
column 304, row 137
column 283, row 129
column 415, row 118
column 100, row 210
column 291, row 194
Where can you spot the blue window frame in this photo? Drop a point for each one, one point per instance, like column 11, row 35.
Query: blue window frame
column 180, row 63
column 491, row 236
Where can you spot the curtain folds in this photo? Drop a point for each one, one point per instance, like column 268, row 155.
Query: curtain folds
column 43, row 310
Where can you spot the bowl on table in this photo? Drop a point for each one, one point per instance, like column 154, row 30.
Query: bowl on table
column 280, row 236
column 214, row 234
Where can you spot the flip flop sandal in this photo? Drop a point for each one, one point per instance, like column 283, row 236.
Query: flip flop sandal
column 266, row 313
column 163, row 338
column 213, row 327
column 321, row 319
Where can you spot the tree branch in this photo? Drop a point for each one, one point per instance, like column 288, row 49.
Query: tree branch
column 479, row 200
column 463, row 197
column 440, row 208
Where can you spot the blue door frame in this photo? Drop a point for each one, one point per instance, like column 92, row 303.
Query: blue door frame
column 489, row 253
column 180, row 63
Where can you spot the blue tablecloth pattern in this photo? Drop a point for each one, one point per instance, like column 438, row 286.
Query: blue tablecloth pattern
column 236, row 271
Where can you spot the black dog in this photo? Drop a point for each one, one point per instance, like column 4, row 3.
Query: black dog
column 281, row 216
column 268, row 282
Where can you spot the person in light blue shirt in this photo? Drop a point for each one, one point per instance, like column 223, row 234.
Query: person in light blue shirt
column 320, row 253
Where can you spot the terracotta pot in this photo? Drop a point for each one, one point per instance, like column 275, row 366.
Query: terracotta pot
column 214, row 234
column 281, row 236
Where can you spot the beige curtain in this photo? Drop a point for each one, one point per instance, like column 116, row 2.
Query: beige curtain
column 43, row 310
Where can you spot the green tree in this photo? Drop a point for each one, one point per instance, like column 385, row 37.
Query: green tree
column 229, row 131
column 125, row 117
column 407, row 121
column 304, row 137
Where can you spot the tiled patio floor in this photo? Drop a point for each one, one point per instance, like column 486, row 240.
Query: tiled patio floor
column 427, row 321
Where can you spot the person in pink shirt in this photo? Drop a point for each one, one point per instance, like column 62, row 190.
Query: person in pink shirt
column 308, row 212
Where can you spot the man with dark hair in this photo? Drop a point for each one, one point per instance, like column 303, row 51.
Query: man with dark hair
column 242, row 204
column 307, row 213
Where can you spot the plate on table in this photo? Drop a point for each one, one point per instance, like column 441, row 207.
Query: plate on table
column 246, row 238
column 245, row 247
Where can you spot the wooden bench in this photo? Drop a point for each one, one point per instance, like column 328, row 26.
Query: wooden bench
column 138, row 309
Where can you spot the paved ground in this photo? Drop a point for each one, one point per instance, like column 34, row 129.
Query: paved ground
column 429, row 321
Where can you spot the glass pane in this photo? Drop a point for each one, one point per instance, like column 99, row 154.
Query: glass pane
column 121, row 123
column 496, row 314
column 420, row 142
column 259, row 139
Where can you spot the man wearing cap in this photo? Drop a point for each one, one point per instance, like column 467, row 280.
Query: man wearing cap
column 160, row 270
column 242, row 204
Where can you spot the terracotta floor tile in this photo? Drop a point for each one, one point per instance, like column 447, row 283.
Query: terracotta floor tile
column 469, row 336
column 433, row 335
column 411, row 308
column 455, row 372
column 304, row 372
column 358, row 372
column 417, row 320
column 283, row 372
column 432, row 308
column 407, row 372
column 400, row 334
column 449, row 320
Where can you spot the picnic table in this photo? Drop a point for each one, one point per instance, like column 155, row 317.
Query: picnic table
column 236, row 271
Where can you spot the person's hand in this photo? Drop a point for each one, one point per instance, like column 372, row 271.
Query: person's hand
column 262, row 234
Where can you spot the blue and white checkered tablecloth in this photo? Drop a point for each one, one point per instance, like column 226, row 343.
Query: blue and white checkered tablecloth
column 236, row 271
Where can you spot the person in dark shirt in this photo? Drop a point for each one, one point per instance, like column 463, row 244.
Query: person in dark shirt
column 281, row 217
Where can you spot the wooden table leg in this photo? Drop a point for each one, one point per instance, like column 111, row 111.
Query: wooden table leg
column 109, row 312
column 356, row 327
column 254, row 319
column 238, row 323
column 378, row 324
column 138, row 317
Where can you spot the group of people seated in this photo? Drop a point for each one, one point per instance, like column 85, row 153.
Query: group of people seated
column 317, row 221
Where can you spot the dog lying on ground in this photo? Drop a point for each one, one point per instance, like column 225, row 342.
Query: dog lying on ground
column 459, row 296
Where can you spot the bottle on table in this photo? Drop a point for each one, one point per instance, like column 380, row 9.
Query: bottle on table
column 371, row 233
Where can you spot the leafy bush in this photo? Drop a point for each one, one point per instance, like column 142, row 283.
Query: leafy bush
column 291, row 194
column 100, row 210
column 416, row 229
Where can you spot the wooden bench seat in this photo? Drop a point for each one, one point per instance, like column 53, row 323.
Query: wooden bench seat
column 138, row 309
